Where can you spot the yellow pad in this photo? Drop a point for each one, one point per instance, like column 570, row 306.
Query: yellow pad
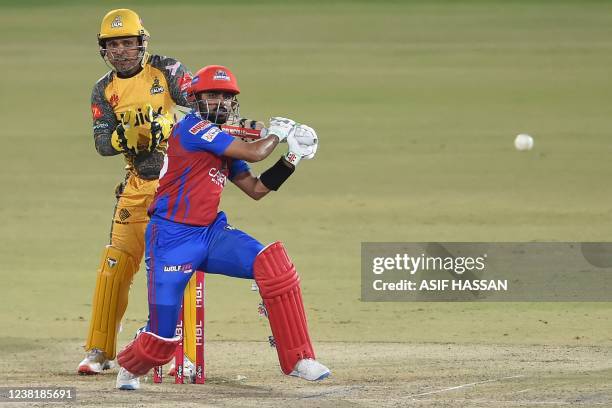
column 189, row 319
column 117, row 268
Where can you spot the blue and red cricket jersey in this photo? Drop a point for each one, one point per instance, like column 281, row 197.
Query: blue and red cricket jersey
column 194, row 173
column 186, row 232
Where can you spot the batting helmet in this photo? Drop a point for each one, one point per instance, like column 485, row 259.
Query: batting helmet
column 214, row 78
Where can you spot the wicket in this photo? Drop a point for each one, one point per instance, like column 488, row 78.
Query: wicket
column 200, row 377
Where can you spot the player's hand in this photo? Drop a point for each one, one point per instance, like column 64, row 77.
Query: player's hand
column 281, row 127
column 298, row 151
column 125, row 136
column 306, row 135
column 161, row 127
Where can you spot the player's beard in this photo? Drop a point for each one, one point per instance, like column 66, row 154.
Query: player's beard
column 125, row 65
column 221, row 115
column 217, row 114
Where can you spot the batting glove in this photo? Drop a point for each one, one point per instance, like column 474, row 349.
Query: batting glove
column 298, row 151
column 281, row 127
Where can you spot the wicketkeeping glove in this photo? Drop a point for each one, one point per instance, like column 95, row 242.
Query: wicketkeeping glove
column 161, row 127
column 125, row 136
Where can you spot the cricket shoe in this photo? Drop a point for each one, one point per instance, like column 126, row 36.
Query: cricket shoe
column 94, row 363
column 127, row 381
column 189, row 370
column 310, row 369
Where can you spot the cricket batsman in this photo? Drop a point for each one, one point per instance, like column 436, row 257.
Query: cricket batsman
column 188, row 233
column 133, row 109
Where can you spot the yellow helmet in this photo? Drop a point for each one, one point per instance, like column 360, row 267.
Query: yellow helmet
column 121, row 23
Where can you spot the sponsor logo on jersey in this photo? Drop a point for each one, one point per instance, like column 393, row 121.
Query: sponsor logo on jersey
column 211, row 133
column 111, row 262
column 124, row 214
column 114, row 100
column 156, row 88
column 96, row 111
column 117, row 22
column 184, row 82
column 217, row 177
column 141, row 117
column 100, row 126
column 198, row 127
column 221, row 75
column 184, row 268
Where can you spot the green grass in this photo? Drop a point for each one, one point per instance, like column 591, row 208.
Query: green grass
column 416, row 105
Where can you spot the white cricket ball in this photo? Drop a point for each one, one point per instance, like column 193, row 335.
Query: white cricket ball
column 523, row 142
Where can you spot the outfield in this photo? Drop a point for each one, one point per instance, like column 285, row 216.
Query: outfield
column 416, row 105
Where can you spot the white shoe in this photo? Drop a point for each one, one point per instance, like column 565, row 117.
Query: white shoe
column 310, row 369
column 109, row 364
column 127, row 381
column 94, row 363
column 189, row 370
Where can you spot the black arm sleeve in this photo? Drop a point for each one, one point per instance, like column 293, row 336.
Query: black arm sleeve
column 276, row 175
column 104, row 119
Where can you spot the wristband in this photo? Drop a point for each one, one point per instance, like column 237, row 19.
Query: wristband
column 276, row 175
column 292, row 158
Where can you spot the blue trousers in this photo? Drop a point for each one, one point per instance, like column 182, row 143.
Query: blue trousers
column 175, row 251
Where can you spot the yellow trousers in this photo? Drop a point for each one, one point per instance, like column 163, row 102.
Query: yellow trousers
column 120, row 262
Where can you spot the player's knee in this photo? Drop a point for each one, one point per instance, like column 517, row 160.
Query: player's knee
column 274, row 272
column 163, row 318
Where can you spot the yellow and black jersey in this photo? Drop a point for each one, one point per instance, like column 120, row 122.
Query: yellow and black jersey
column 162, row 83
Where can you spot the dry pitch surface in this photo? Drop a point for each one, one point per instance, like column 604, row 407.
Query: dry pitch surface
column 244, row 374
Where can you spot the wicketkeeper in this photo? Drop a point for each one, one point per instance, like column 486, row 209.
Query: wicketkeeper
column 133, row 108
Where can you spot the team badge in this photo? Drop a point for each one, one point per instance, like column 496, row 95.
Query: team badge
column 117, row 22
column 221, row 75
column 156, row 88
column 111, row 262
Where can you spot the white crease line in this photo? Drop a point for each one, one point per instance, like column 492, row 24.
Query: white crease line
column 465, row 385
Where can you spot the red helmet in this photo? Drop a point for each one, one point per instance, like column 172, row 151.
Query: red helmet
column 214, row 78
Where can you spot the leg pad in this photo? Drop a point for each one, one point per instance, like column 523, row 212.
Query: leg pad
column 279, row 286
column 115, row 274
column 146, row 351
